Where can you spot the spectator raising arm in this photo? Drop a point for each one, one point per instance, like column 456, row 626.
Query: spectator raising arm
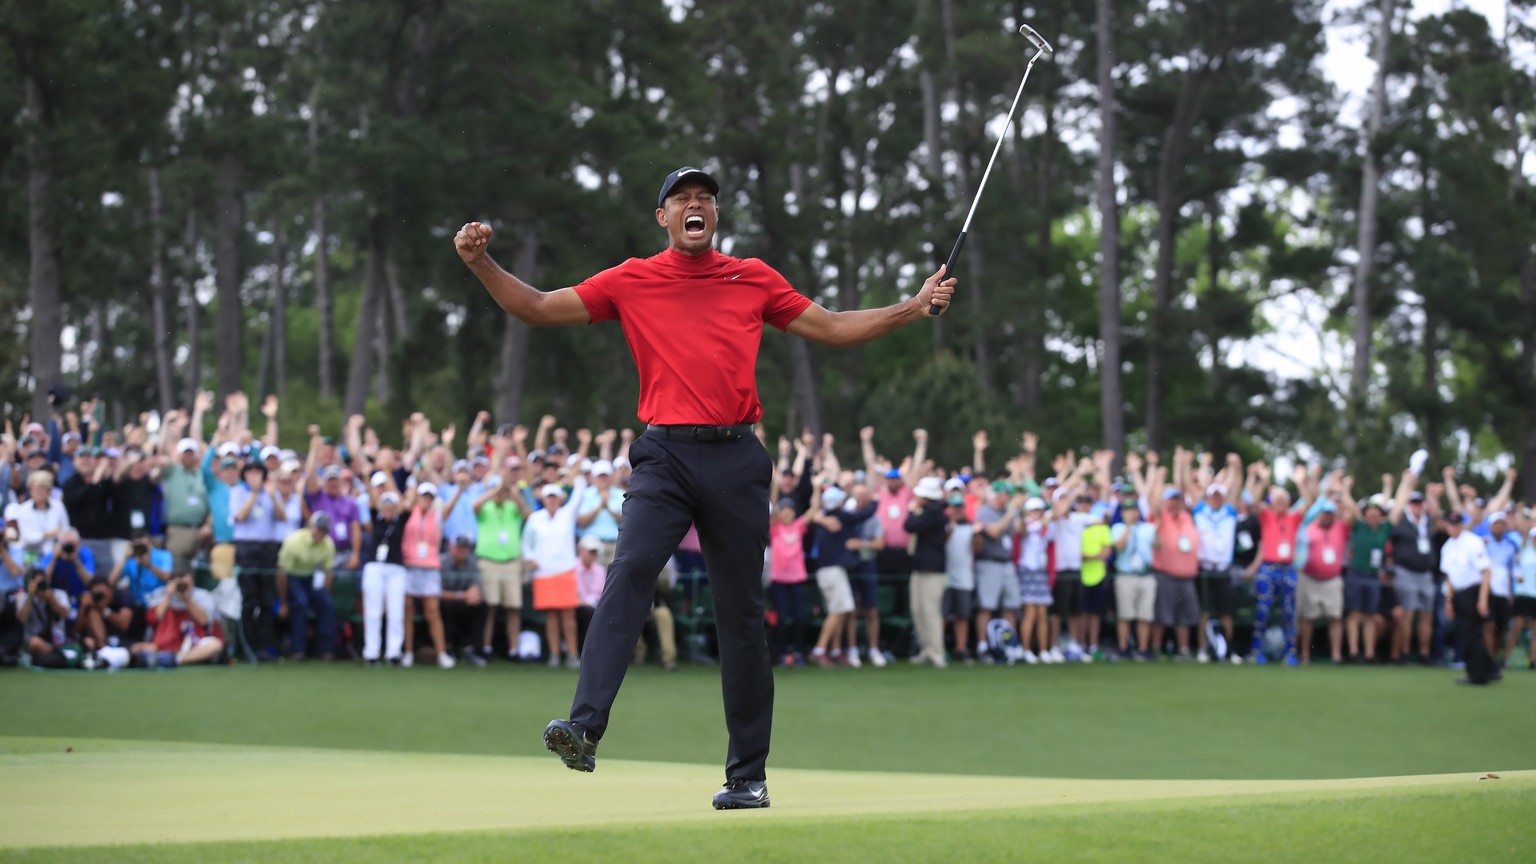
column 1452, row 492
column 919, row 456
column 979, row 452
column 872, row 467
column 1501, row 498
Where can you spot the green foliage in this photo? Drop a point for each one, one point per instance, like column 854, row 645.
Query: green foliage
column 562, row 118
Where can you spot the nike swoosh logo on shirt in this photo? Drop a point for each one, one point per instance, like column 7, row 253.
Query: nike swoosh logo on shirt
column 737, row 276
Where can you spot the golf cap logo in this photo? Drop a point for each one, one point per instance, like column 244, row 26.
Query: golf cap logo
column 676, row 177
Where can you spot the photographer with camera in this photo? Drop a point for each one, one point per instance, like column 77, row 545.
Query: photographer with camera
column 182, row 626
column 71, row 566
column 107, row 613
column 145, row 569
column 42, row 613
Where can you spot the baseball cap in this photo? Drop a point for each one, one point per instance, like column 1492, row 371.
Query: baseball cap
column 186, row 445
column 591, row 544
column 112, row 452
column 71, row 436
column 954, row 484
column 893, row 474
column 320, row 521
column 1454, row 518
column 1216, row 489
column 229, row 448
column 330, row 472
column 290, row 466
column 602, row 467
column 957, row 500
column 460, row 465
column 427, row 489
column 379, row 478
column 464, row 540
column 549, row 489
column 229, row 462
column 832, row 498
column 1170, row 494
column 1034, row 504
column 1497, row 516
column 1327, row 507
column 271, row 453
column 1415, row 497
column 681, row 174
column 388, row 498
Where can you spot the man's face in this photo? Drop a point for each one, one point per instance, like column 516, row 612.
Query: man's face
column 787, row 482
column 85, row 463
column 977, row 486
column 1216, row 501
column 690, row 215
column 861, row 494
column 1130, row 515
column 1373, row 517
column 603, row 482
column 40, row 492
column 478, row 470
column 1325, row 519
column 458, row 553
column 333, row 486
column 71, row 445
column 588, row 557
column 894, row 484
column 1416, row 509
column 188, row 459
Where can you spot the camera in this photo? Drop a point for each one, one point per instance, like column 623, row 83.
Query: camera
column 67, row 548
column 140, row 550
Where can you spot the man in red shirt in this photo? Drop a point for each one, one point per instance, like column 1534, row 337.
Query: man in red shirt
column 693, row 319
column 182, row 624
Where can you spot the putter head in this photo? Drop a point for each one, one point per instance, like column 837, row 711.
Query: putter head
column 1037, row 40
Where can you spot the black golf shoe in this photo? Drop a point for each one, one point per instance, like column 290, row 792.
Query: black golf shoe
column 576, row 748
column 738, row 794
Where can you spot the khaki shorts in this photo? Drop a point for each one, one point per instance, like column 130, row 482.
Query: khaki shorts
column 221, row 561
column 835, row 590
column 1135, row 596
column 502, row 583
column 1319, row 598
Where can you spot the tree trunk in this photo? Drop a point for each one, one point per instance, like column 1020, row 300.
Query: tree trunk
column 1526, row 372
column 326, row 344
column 227, row 272
column 934, row 145
column 367, row 321
column 279, row 324
column 43, row 289
column 1111, row 389
column 165, row 395
column 384, row 347
column 1170, row 164
column 189, row 273
column 512, row 374
column 1365, row 242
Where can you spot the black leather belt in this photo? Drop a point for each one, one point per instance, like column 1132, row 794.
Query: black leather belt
column 702, row 433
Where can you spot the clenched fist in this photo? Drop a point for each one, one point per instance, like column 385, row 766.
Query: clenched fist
column 471, row 241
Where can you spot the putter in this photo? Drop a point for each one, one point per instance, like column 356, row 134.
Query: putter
column 1042, row 47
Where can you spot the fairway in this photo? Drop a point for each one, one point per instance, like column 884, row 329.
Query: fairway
column 306, row 763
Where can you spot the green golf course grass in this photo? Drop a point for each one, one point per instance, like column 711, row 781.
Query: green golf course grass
column 1082, row 763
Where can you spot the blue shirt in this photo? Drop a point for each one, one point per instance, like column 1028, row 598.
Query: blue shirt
column 9, row 583
column 461, row 521
column 218, row 502
column 141, row 581
column 1525, row 586
column 1504, row 556
column 261, row 524
column 66, row 576
column 605, row 526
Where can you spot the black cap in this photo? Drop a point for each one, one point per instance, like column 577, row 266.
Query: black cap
column 1415, row 497
column 681, row 174
column 1454, row 518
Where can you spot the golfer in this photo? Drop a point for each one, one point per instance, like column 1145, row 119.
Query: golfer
column 693, row 319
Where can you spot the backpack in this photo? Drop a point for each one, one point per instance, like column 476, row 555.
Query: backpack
column 1003, row 642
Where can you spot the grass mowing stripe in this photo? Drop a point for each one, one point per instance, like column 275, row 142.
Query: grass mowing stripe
column 1100, row 721
column 1472, row 822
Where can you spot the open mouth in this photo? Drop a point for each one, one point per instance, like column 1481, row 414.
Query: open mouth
column 693, row 226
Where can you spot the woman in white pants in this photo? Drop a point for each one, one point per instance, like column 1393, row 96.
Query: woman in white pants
column 384, row 581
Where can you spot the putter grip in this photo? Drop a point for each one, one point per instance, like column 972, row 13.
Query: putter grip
column 949, row 267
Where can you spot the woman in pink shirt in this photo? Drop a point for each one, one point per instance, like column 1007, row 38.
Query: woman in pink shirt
column 423, row 572
column 786, row 565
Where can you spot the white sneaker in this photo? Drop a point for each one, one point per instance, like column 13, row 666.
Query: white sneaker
column 1203, row 658
column 1086, row 658
column 1237, row 659
column 446, row 661
column 877, row 659
column 1056, row 656
column 408, row 659
column 940, row 663
column 572, row 662
column 853, row 659
column 1031, row 658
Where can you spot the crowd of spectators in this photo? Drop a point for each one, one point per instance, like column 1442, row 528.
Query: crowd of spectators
column 155, row 546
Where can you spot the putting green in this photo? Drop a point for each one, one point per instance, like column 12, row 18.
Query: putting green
column 162, row 792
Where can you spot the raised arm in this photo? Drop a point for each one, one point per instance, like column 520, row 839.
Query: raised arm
column 919, row 454
column 1501, row 499
column 867, row 451
column 519, row 299
column 1452, row 493
column 857, row 326
column 1400, row 500
column 269, row 411
column 979, row 444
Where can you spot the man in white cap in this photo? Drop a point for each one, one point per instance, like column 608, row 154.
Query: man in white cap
column 927, row 524
column 601, row 511
column 1216, row 520
column 186, row 502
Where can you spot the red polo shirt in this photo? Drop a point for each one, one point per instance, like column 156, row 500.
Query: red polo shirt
column 694, row 324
